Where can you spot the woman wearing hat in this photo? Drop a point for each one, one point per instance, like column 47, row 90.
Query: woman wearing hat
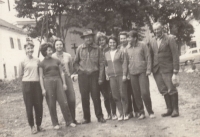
column 117, row 71
column 105, row 86
column 32, row 93
column 139, row 66
column 67, row 67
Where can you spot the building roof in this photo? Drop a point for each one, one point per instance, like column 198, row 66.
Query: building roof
column 10, row 26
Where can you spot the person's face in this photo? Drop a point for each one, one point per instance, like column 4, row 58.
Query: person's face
column 102, row 41
column 88, row 40
column 59, row 46
column 131, row 39
column 49, row 52
column 29, row 50
column 123, row 39
column 112, row 44
column 158, row 30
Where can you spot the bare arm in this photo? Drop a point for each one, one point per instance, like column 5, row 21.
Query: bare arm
column 70, row 65
column 147, row 58
column 62, row 77
column 42, row 81
column 76, row 60
column 21, row 70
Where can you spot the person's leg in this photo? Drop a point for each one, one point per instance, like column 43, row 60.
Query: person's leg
column 83, row 81
column 50, row 87
column 129, row 95
column 144, row 88
column 123, row 95
column 95, row 94
column 112, row 102
column 71, row 98
column 38, row 100
column 164, row 91
column 28, row 101
column 106, row 94
column 137, row 93
column 116, row 94
column 167, row 78
column 62, row 100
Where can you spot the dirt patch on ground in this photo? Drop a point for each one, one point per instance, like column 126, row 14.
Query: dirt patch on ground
column 13, row 120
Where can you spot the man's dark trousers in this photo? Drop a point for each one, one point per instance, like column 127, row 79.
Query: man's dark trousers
column 88, row 84
column 131, row 100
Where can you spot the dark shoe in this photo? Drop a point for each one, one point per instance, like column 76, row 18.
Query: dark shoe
column 130, row 115
column 85, row 121
column 40, row 129
column 175, row 112
column 101, row 120
column 168, row 104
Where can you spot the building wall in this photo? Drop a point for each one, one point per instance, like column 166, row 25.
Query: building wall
column 10, row 57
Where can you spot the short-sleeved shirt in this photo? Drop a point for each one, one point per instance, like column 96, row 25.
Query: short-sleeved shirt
column 66, row 61
column 50, row 67
column 28, row 69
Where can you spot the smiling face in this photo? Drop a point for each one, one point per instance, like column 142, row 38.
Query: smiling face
column 49, row 51
column 112, row 44
column 131, row 40
column 29, row 50
column 123, row 40
column 102, row 41
column 59, row 46
column 158, row 29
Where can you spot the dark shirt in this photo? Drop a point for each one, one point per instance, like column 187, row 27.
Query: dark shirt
column 50, row 67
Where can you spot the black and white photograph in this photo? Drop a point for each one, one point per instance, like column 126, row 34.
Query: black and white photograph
column 99, row 68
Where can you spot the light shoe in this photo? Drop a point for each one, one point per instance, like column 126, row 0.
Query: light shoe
column 56, row 127
column 120, row 118
column 114, row 117
column 109, row 117
column 72, row 125
column 33, row 130
column 40, row 129
column 152, row 116
column 142, row 116
column 126, row 117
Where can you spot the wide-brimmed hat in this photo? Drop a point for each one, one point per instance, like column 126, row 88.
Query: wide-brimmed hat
column 87, row 32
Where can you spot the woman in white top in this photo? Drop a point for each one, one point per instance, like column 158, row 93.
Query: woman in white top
column 32, row 93
column 67, row 67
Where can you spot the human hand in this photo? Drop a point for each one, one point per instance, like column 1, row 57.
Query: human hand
column 107, row 78
column 175, row 80
column 100, row 82
column 148, row 73
column 74, row 77
column 124, row 78
column 64, row 86
column 44, row 92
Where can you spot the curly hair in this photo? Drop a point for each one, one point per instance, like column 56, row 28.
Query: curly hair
column 44, row 48
column 58, row 39
column 100, row 35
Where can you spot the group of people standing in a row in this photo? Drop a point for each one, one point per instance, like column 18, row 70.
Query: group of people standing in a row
column 118, row 71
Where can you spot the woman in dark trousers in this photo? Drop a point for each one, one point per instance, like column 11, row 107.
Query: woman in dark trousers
column 117, row 71
column 105, row 86
column 139, row 66
column 32, row 93
column 53, row 86
column 67, row 67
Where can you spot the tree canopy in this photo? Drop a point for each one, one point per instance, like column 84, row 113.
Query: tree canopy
column 111, row 16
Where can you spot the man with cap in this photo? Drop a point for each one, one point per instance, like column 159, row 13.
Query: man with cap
column 89, row 65
column 131, row 101
column 165, row 57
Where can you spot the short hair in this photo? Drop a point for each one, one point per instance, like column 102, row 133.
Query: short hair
column 100, row 35
column 58, row 39
column 44, row 47
column 29, row 44
column 133, row 34
column 157, row 24
column 113, row 37
column 123, row 33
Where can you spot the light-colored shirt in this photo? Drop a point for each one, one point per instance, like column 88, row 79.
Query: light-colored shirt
column 28, row 69
column 66, row 62
column 112, row 54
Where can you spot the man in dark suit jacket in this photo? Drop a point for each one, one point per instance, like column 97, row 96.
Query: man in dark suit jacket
column 165, row 59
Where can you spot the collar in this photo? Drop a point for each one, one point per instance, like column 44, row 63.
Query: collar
column 93, row 46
